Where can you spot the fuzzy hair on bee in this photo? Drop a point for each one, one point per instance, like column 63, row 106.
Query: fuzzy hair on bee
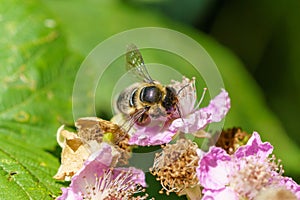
column 147, row 99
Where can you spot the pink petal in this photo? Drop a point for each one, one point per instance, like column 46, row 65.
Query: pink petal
column 138, row 176
column 95, row 165
column 68, row 194
column 192, row 123
column 254, row 146
column 214, row 169
column 223, row 194
column 199, row 119
column 218, row 107
column 291, row 185
column 151, row 135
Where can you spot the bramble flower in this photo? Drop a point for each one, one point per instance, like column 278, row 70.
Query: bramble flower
column 74, row 153
column 244, row 174
column 98, row 180
column 100, row 130
column 175, row 167
column 91, row 132
column 192, row 118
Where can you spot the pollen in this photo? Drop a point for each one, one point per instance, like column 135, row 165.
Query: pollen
column 256, row 175
column 175, row 166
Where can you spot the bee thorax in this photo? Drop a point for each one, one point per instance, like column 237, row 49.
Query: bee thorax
column 150, row 94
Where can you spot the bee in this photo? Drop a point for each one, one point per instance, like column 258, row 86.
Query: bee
column 148, row 99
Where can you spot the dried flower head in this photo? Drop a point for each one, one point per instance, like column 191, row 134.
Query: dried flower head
column 91, row 132
column 175, row 166
column 93, row 128
column 74, row 153
column 231, row 139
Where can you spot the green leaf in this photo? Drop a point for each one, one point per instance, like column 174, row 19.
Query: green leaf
column 26, row 171
column 36, row 81
column 31, row 93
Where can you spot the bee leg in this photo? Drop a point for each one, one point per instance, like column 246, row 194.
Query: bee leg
column 144, row 120
column 179, row 113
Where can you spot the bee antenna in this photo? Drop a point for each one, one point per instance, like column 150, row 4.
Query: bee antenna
column 182, row 88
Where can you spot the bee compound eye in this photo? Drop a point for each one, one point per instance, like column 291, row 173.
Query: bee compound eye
column 150, row 94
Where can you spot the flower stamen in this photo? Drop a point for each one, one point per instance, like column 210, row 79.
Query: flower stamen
column 175, row 166
column 109, row 186
column 252, row 175
column 201, row 99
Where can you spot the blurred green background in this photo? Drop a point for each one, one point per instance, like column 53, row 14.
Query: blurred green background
column 255, row 45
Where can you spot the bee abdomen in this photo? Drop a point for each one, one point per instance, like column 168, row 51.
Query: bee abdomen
column 126, row 99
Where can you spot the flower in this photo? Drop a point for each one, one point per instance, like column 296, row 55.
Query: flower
column 98, row 180
column 175, row 167
column 244, row 174
column 291, row 185
column 190, row 119
column 74, row 153
column 193, row 118
column 99, row 130
column 91, row 132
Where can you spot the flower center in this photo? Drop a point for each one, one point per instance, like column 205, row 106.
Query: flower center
column 175, row 166
column 112, row 186
column 253, row 174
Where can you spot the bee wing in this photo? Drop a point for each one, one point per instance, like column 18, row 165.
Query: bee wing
column 135, row 62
